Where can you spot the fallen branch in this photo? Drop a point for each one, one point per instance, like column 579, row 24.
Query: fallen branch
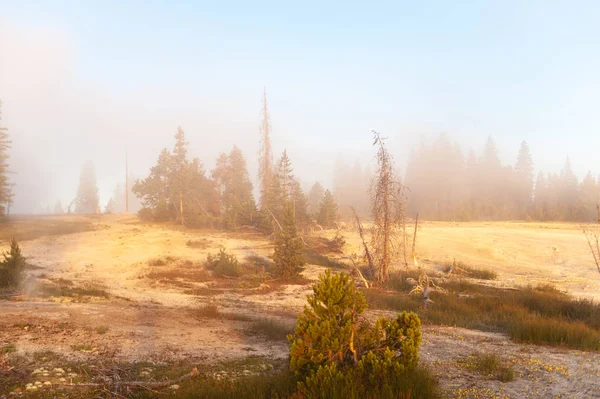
column 360, row 275
column 141, row 384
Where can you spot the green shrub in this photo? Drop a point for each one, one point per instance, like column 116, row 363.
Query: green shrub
column 224, row 264
column 288, row 247
column 335, row 353
column 12, row 267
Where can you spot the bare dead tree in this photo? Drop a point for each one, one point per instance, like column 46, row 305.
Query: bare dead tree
column 387, row 208
column 361, row 233
column 265, row 155
column 593, row 239
column 414, row 244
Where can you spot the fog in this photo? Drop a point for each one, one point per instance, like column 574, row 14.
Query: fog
column 61, row 111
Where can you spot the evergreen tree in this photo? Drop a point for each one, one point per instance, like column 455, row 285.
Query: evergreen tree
column 524, row 179
column 336, row 353
column 5, row 187
column 328, row 211
column 237, row 202
column 12, row 267
column 588, row 198
column 177, row 188
column 299, row 203
column 87, row 194
column 288, row 247
column 110, row 206
column 285, row 175
column 315, row 196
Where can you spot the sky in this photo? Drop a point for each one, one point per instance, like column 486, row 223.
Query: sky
column 88, row 80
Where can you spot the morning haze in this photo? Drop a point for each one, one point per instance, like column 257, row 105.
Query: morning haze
column 268, row 200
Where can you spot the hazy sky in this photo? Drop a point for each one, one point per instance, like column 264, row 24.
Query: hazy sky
column 86, row 79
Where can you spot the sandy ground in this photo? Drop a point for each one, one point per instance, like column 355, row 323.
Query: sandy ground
column 152, row 320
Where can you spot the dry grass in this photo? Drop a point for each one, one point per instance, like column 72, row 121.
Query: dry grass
column 25, row 228
column 202, row 243
column 541, row 316
column 68, row 290
column 489, row 365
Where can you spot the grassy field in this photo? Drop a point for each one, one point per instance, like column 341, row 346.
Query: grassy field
column 108, row 294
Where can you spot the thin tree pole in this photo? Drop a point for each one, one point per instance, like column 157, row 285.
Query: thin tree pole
column 126, row 183
column 414, row 246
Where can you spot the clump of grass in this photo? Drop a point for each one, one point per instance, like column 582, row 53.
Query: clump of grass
column 313, row 258
column 203, row 243
column 101, row 330
column 260, row 262
column 491, row 365
column 462, row 269
column 47, row 290
column 161, row 261
column 8, row 348
column 272, row 329
column 209, row 311
column 82, row 348
column 324, row 245
column 45, row 356
column 224, row 264
column 546, row 317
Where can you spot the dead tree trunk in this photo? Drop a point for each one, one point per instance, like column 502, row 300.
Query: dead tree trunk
column 414, row 245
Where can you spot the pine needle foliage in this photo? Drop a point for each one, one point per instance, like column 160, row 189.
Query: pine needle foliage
column 337, row 353
column 12, row 267
column 288, row 247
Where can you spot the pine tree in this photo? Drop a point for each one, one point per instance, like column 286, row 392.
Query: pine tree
column 110, row 206
column 299, row 203
column 284, row 173
column 315, row 196
column 237, row 202
column 328, row 211
column 5, row 187
column 87, row 194
column 524, row 178
column 265, row 156
column 12, row 267
column 336, row 353
column 288, row 247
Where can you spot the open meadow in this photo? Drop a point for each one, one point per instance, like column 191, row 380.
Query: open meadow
column 112, row 298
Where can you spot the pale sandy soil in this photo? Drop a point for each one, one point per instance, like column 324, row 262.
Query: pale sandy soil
column 156, row 321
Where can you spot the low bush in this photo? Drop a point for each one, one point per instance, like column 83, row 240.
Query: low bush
column 12, row 267
column 224, row 264
column 335, row 353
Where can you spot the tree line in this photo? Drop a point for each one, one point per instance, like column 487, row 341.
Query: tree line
column 443, row 184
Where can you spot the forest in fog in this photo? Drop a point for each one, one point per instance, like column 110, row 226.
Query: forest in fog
column 441, row 182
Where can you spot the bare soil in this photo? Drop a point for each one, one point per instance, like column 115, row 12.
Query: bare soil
column 131, row 292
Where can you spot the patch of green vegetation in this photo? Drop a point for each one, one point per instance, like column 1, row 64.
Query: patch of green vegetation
column 542, row 316
column 45, row 356
column 51, row 290
column 462, row 269
column 313, row 258
column 224, row 264
column 272, row 329
column 490, row 365
column 82, row 348
column 161, row 261
column 101, row 330
column 8, row 348
column 202, row 243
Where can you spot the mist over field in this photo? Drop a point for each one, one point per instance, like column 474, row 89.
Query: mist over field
column 269, row 200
